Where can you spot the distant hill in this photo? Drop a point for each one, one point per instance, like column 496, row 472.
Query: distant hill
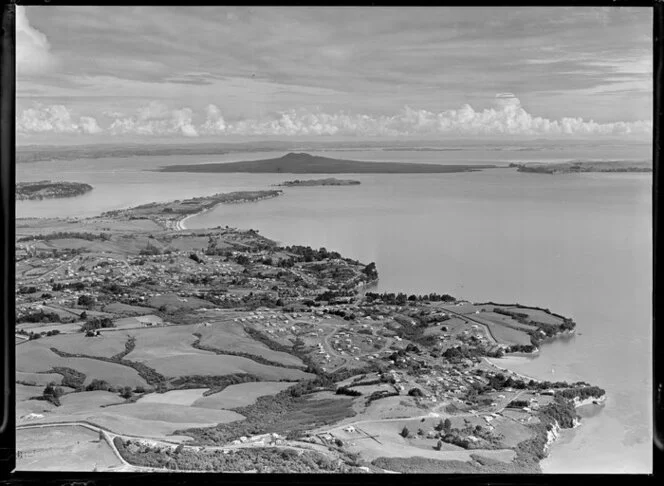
column 301, row 163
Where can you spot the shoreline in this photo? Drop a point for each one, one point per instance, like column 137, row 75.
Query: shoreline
column 179, row 224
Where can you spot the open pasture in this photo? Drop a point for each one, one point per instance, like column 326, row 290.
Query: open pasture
column 240, row 395
column 394, row 445
column 126, row 309
column 217, row 365
column 175, row 397
column 63, row 448
column 68, row 328
column 137, row 322
column 507, row 335
column 155, row 420
column 89, row 400
column 174, row 302
column 106, row 345
column 191, row 243
column 38, row 379
column 537, row 315
column 25, row 406
column 230, row 335
column 34, row 356
column 165, row 342
column 455, row 325
column 512, row 432
column 504, row 320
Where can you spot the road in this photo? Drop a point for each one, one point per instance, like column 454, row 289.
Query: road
column 109, row 436
column 28, row 279
column 483, row 324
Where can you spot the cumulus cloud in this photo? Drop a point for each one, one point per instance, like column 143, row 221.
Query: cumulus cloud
column 54, row 119
column 33, row 51
column 506, row 117
column 214, row 122
column 156, row 119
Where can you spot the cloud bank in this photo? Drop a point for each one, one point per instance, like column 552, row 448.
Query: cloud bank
column 33, row 51
column 54, row 119
column 506, row 117
column 155, row 119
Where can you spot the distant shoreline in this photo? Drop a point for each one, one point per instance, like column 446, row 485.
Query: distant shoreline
column 330, row 181
column 36, row 191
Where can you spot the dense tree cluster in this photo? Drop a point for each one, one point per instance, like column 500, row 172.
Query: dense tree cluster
column 76, row 286
column 95, row 323
column 581, row 393
column 38, row 316
column 60, row 235
column 52, row 394
column 263, row 460
column 308, row 254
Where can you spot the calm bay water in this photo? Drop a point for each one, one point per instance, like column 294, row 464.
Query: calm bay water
column 577, row 244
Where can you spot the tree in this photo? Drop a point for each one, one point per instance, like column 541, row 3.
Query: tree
column 447, row 425
column 405, row 432
column 126, row 393
column 86, row 300
column 439, row 445
column 53, row 393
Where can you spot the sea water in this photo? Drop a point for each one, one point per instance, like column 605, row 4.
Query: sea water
column 578, row 244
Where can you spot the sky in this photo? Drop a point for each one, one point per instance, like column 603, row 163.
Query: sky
column 229, row 73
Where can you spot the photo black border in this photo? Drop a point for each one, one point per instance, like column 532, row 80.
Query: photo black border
column 7, row 284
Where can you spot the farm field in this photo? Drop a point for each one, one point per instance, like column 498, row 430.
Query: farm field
column 199, row 364
column 137, row 322
column 33, row 357
column 175, row 397
column 25, row 406
column 38, row 379
column 66, row 448
column 106, row 345
column 70, row 327
column 240, row 395
column 154, row 420
column 512, row 432
column 120, row 308
column 175, row 302
column 169, row 341
column 537, row 315
column 393, row 445
column 229, row 335
column 501, row 319
column 89, row 400
column 507, row 335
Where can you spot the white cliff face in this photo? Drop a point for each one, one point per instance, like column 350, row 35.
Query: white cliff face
column 579, row 403
column 551, row 436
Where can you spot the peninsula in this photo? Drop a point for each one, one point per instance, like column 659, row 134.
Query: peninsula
column 331, row 181
column 158, row 348
column 48, row 189
column 588, row 166
column 302, row 163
